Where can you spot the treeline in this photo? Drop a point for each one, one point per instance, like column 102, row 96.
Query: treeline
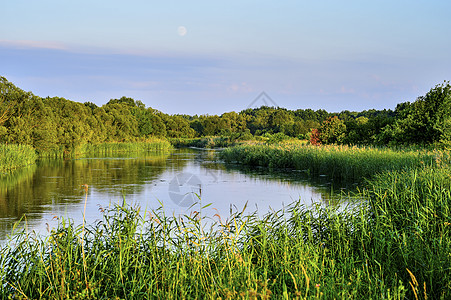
column 55, row 124
column 425, row 122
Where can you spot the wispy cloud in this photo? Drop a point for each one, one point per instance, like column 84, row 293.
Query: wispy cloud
column 24, row 44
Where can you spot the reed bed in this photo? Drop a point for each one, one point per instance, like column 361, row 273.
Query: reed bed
column 150, row 144
column 204, row 142
column 395, row 245
column 16, row 156
column 339, row 163
column 108, row 148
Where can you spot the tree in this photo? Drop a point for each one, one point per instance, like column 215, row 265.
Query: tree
column 423, row 122
column 332, row 131
column 443, row 117
column 315, row 137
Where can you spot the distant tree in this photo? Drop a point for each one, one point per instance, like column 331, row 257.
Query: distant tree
column 315, row 137
column 198, row 127
column 443, row 116
column 280, row 120
column 127, row 101
column 91, row 105
column 178, row 127
column 332, row 131
column 422, row 122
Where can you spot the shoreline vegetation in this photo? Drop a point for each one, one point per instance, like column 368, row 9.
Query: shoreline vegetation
column 395, row 245
column 13, row 157
column 343, row 164
column 55, row 124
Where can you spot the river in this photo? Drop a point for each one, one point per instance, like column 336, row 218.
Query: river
column 181, row 181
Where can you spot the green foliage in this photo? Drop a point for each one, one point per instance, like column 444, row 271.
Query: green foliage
column 425, row 121
column 16, row 156
column 275, row 138
column 57, row 124
column 204, row 142
column 332, row 131
column 395, row 245
column 340, row 163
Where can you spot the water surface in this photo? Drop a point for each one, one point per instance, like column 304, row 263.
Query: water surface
column 181, row 180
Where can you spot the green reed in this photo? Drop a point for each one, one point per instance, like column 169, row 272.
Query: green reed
column 382, row 250
column 393, row 246
column 203, row 142
column 149, row 144
column 340, row 163
column 107, row 148
column 16, row 156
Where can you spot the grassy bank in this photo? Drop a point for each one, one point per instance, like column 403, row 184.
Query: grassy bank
column 15, row 156
column 203, row 142
column 150, row 144
column 395, row 246
column 108, row 148
column 339, row 163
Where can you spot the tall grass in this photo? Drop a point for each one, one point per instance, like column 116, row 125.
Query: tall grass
column 411, row 228
column 108, row 148
column 396, row 245
column 16, row 156
column 340, row 163
column 150, row 144
column 204, row 142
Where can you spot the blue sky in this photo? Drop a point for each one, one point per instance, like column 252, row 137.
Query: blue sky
column 332, row 55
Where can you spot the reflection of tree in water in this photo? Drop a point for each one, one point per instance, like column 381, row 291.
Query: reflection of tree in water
column 18, row 179
column 36, row 189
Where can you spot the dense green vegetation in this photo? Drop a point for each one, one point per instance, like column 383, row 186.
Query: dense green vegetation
column 57, row 124
column 16, row 156
column 340, row 163
column 395, row 245
column 149, row 144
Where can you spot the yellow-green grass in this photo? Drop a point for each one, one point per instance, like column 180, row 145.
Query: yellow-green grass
column 203, row 142
column 396, row 245
column 339, row 163
column 154, row 144
column 150, row 144
column 16, row 156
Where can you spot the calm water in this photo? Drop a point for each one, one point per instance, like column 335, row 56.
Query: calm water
column 176, row 179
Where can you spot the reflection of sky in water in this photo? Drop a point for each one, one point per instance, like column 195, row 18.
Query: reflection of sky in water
column 220, row 187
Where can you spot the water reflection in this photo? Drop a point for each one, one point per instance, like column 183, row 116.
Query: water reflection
column 53, row 188
column 53, row 185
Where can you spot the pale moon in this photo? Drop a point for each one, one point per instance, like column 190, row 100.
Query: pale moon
column 182, row 30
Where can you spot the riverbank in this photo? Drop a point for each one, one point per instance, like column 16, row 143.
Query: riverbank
column 149, row 144
column 16, row 156
column 13, row 157
column 203, row 142
column 339, row 163
column 396, row 245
